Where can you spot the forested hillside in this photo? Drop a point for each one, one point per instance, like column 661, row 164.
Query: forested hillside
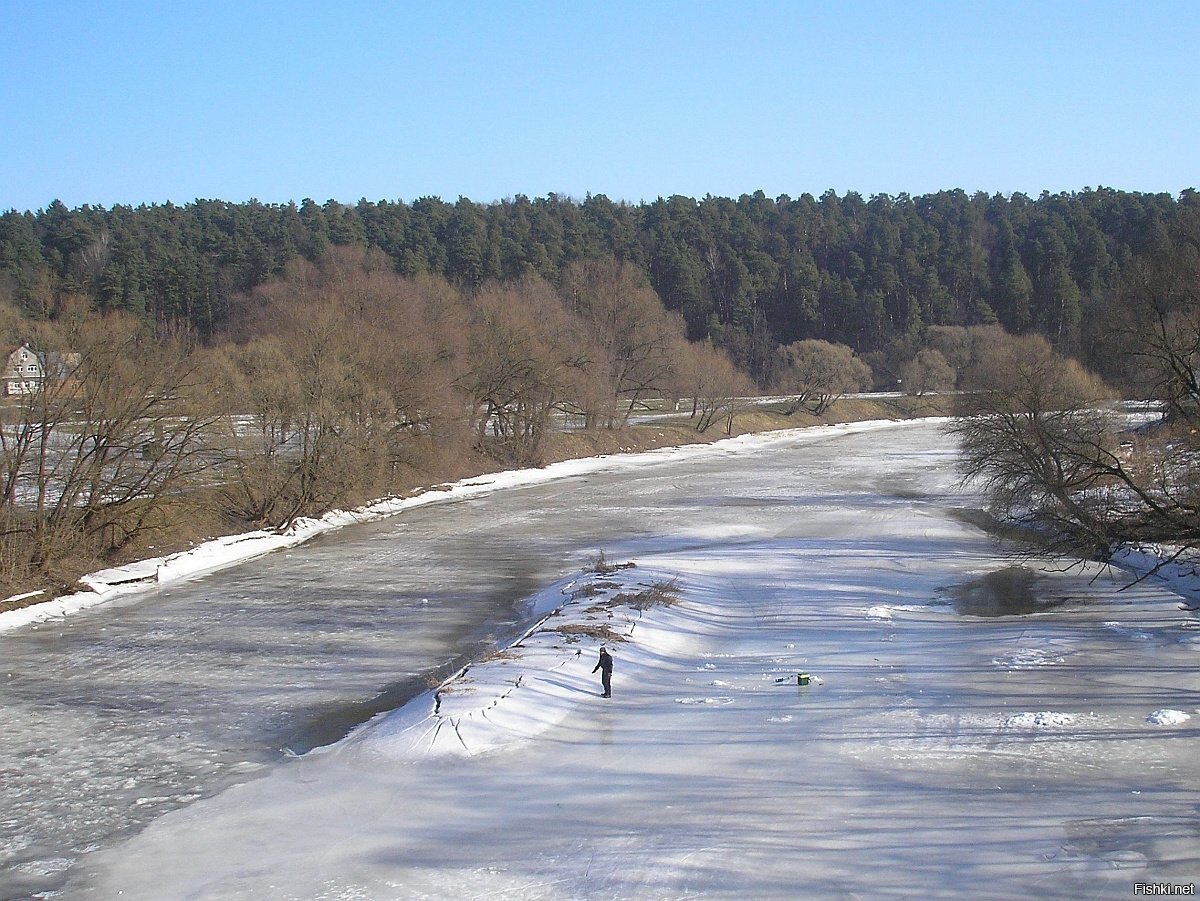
column 751, row 274
column 222, row 365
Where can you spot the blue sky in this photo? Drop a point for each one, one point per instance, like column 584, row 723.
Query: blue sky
column 139, row 102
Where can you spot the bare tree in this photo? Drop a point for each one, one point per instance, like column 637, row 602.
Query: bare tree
column 527, row 356
column 344, row 369
column 817, row 373
column 927, row 371
column 718, row 388
column 1047, row 448
column 632, row 339
column 963, row 348
column 112, row 438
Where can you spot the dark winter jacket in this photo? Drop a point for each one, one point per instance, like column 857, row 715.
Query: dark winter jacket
column 605, row 662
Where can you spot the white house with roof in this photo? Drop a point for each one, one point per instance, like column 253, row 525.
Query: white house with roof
column 23, row 370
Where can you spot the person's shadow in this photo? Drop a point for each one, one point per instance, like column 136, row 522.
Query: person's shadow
column 604, row 732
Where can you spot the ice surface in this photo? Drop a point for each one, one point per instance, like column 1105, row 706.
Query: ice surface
column 165, row 692
column 934, row 754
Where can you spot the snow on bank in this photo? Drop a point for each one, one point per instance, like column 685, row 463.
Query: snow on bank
column 538, row 680
column 1159, row 563
column 227, row 551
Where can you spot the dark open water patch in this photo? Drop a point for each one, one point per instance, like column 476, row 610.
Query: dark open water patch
column 1022, row 536
column 1012, row 591
column 333, row 722
column 329, row 723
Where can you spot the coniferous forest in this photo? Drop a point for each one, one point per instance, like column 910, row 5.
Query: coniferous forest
column 751, row 274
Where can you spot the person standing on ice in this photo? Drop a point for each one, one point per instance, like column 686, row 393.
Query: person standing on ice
column 605, row 667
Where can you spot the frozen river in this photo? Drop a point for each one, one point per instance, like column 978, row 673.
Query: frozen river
column 166, row 708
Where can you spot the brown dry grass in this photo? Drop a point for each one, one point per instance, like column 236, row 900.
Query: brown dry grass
column 577, row 632
column 657, row 594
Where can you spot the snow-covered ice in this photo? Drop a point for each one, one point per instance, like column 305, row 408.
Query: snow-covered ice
column 933, row 753
column 1167, row 717
column 1040, row 720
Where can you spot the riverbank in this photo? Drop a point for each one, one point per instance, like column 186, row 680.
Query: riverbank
column 217, row 551
column 675, row 429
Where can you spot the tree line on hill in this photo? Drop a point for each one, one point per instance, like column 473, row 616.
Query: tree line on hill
column 750, row 274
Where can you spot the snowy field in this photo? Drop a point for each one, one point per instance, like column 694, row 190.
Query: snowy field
column 939, row 750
